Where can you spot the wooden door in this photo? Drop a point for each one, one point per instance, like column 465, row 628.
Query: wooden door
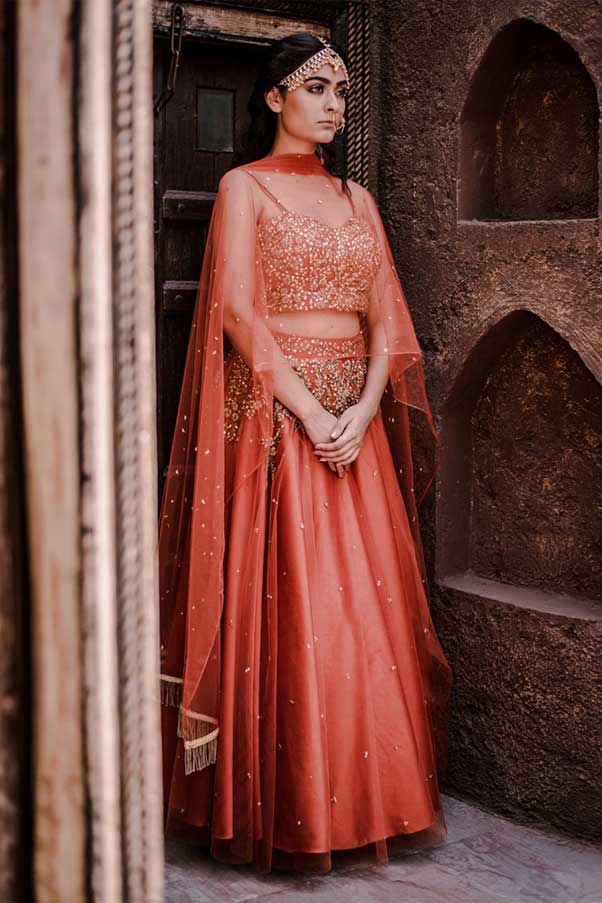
column 196, row 136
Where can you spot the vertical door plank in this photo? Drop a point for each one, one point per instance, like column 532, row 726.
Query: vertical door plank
column 49, row 290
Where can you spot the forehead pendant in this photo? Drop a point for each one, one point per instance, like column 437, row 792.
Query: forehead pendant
column 327, row 55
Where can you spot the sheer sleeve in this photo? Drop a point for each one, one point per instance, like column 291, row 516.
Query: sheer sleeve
column 413, row 437
column 193, row 510
column 235, row 211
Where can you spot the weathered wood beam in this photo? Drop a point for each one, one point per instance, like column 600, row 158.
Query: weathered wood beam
column 49, row 360
column 97, row 429
column 228, row 24
column 136, row 453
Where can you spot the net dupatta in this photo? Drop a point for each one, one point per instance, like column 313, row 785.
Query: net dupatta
column 202, row 482
column 415, row 445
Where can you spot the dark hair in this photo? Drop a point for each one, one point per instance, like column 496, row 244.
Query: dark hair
column 281, row 59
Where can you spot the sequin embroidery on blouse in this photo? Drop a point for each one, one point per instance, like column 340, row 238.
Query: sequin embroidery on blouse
column 309, row 265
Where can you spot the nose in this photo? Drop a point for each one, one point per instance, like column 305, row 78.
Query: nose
column 332, row 104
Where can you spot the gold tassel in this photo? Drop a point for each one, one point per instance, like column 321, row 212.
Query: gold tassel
column 200, row 756
column 200, row 733
column 171, row 690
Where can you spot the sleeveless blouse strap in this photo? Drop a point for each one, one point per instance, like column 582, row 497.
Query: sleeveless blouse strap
column 349, row 198
column 353, row 211
column 267, row 191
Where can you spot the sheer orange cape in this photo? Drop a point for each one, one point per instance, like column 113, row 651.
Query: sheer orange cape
column 197, row 492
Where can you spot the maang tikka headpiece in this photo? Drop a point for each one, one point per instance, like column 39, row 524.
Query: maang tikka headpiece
column 320, row 58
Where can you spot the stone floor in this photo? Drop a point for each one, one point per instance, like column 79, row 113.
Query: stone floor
column 484, row 859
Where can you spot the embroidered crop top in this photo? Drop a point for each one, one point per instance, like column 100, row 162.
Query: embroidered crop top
column 309, row 265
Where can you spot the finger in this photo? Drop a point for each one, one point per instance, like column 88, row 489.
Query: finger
column 340, row 470
column 333, row 466
column 335, row 444
column 337, row 452
column 343, row 449
column 350, row 459
column 341, row 425
column 339, row 435
column 343, row 453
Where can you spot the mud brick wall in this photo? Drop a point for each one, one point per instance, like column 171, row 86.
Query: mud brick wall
column 488, row 149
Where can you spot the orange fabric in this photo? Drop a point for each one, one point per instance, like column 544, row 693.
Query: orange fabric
column 314, row 692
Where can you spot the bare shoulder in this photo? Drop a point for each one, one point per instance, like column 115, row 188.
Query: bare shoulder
column 358, row 192
column 355, row 186
column 234, row 178
column 238, row 186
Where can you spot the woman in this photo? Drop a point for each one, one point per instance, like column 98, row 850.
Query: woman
column 304, row 688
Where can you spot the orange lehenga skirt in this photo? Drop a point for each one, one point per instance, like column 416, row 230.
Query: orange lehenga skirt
column 343, row 770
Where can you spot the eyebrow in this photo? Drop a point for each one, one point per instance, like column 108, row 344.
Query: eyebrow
column 320, row 78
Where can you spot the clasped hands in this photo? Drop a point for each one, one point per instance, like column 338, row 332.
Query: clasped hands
column 337, row 440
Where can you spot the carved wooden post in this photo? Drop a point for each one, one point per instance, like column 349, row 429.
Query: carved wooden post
column 86, row 347
column 48, row 313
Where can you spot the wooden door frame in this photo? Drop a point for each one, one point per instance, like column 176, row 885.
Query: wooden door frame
column 88, row 408
column 87, row 358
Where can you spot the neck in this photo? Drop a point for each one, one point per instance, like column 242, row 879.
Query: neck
column 290, row 161
column 285, row 144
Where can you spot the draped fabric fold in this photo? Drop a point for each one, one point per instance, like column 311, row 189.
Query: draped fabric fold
column 258, row 544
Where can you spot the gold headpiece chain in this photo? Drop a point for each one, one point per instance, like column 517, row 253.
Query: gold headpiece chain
column 320, row 58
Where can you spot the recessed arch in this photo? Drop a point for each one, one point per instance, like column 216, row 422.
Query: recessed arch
column 522, row 473
column 529, row 131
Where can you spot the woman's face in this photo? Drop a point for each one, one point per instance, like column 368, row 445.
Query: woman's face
column 312, row 110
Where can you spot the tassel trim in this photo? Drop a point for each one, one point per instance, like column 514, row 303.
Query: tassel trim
column 171, row 690
column 199, row 733
column 198, row 754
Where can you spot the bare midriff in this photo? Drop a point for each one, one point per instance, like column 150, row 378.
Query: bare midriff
column 317, row 323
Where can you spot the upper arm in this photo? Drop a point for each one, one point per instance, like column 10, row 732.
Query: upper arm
column 366, row 199
column 356, row 194
column 234, row 237
column 235, row 195
column 370, row 212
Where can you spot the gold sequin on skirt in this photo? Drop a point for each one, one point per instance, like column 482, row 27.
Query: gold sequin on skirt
column 333, row 369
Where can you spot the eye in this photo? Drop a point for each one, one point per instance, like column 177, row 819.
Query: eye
column 342, row 92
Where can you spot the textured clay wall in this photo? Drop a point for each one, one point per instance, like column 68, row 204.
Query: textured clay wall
column 489, row 185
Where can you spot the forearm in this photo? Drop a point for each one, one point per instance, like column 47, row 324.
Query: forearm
column 287, row 386
column 378, row 369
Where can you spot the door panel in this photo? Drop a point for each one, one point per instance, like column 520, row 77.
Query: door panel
column 196, row 135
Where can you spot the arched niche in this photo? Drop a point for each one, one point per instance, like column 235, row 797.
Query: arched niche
column 521, row 484
column 528, row 145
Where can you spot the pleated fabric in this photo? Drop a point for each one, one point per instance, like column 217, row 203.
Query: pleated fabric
column 327, row 754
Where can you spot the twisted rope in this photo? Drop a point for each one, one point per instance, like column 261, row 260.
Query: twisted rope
column 358, row 52
column 142, row 836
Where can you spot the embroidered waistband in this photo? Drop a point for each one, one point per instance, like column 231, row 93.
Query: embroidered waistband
column 313, row 347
